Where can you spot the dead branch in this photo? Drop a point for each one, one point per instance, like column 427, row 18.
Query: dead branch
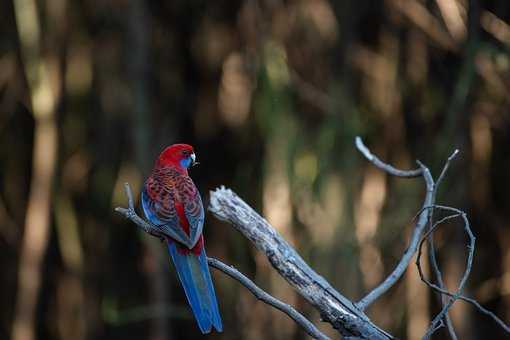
column 268, row 299
column 345, row 316
column 432, row 248
column 426, row 215
column 335, row 309
column 436, row 323
column 418, row 229
column 308, row 326
column 384, row 166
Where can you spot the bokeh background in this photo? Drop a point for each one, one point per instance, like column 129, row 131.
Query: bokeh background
column 271, row 93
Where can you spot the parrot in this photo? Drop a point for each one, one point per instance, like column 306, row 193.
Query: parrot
column 173, row 206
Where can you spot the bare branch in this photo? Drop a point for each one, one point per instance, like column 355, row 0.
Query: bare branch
column 131, row 215
column 383, row 166
column 475, row 303
column 454, row 296
column 446, row 166
column 483, row 310
column 439, row 278
column 268, row 299
column 424, row 215
column 437, row 323
column 418, row 229
column 432, row 248
column 334, row 307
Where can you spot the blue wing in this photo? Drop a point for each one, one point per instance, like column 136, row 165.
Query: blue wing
column 169, row 226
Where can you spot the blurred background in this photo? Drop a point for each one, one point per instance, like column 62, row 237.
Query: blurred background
column 271, row 94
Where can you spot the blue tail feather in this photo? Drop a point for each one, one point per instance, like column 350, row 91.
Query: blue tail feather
column 216, row 319
column 193, row 272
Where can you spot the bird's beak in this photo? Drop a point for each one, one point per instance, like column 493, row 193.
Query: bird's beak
column 194, row 159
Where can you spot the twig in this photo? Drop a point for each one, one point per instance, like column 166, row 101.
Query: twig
column 436, row 323
column 455, row 296
column 383, row 166
column 439, row 277
column 432, row 248
column 441, row 290
column 475, row 303
column 418, row 229
column 268, row 299
column 446, row 166
column 131, row 215
column 426, row 214
column 130, row 212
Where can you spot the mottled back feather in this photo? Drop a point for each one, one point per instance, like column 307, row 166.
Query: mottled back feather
column 165, row 189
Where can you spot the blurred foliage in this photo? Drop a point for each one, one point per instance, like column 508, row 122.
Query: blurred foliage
column 271, row 94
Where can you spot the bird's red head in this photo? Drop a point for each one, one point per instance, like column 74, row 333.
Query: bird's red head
column 179, row 155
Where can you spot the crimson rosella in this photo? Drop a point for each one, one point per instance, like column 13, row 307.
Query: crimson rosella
column 172, row 204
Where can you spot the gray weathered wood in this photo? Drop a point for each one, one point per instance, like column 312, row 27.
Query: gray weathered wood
column 334, row 308
column 306, row 324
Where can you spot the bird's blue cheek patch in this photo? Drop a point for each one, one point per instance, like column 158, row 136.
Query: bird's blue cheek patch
column 186, row 162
